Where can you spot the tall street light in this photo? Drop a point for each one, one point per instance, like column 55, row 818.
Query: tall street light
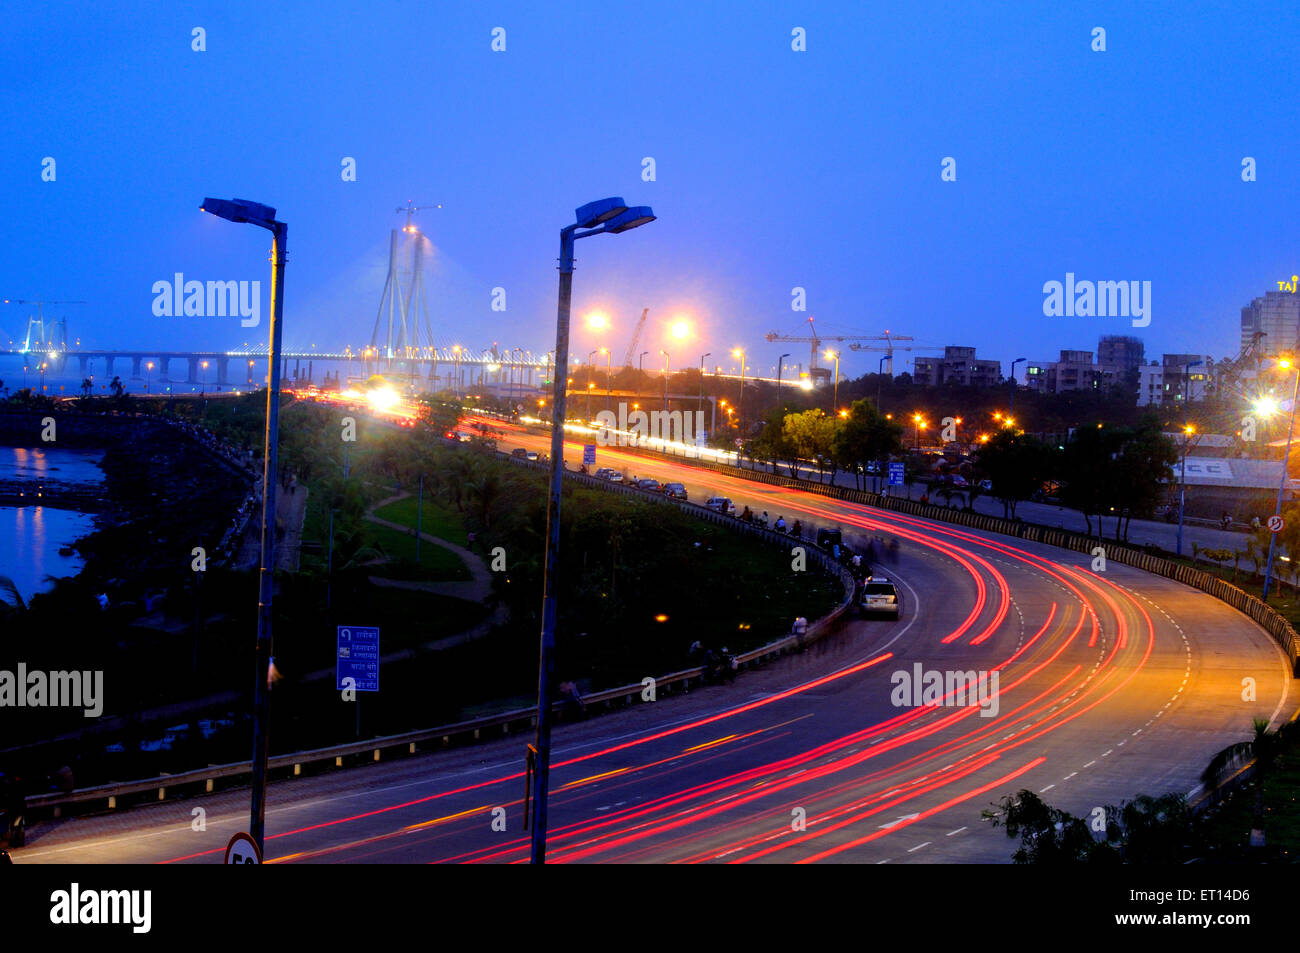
column 1187, row 430
column 699, row 407
column 609, row 374
column 254, row 213
column 1284, row 364
column 666, row 360
column 203, row 378
column 606, row 215
column 148, row 366
column 591, row 356
column 835, row 400
column 779, row 365
column 1011, row 409
column 741, row 354
column 640, row 377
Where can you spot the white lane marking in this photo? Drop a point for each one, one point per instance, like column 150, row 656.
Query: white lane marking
column 1090, row 764
column 957, row 831
column 1046, row 789
column 1070, row 775
column 918, row 847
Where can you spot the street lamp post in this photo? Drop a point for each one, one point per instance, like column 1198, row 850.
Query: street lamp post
column 203, row 378
column 699, row 407
column 666, row 360
column 607, row 215
column 591, row 355
column 1281, row 483
column 1011, row 408
column 835, row 399
column 640, row 374
column 148, row 366
column 240, row 210
column 880, row 376
column 1182, row 476
column 741, row 354
column 779, row 365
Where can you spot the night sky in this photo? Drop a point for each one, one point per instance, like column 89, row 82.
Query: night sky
column 774, row 169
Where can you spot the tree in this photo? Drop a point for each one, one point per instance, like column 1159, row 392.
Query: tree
column 1141, row 471
column 1016, row 464
column 439, row 413
column 772, row 443
column 808, row 436
column 865, row 436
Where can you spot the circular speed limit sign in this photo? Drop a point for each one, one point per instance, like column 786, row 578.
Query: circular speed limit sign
column 1275, row 524
column 242, row 849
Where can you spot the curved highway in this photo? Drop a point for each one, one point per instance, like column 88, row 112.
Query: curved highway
column 1109, row 685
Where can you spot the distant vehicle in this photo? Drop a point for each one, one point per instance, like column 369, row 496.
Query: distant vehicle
column 602, row 473
column 721, row 504
column 519, row 452
column 675, row 490
column 463, row 437
column 614, row 477
column 879, row 595
column 531, row 455
column 826, row 538
column 648, row 484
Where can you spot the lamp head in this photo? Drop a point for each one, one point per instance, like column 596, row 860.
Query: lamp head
column 602, row 210
column 630, row 218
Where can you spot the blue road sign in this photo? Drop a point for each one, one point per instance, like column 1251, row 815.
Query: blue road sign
column 589, row 454
column 358, row 658
column 895, row 474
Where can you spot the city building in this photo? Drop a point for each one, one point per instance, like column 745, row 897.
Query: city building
column 957, row 366
column 1120, row 351
column 1151, row 384
column 1074, row 370
column 1192, row 371
column 1276, row 316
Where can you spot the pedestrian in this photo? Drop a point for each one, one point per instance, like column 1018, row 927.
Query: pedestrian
column 925, row 497
column 1254, row 522
column 780, row 524
column 797, row 530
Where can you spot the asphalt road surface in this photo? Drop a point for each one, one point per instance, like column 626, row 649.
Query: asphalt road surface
column 1109, row 685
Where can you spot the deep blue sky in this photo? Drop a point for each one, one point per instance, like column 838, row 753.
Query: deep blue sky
column 775, row 168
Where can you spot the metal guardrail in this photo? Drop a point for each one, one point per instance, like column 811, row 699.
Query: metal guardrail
column 502, row 724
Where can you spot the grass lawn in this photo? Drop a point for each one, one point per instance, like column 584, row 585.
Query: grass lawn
column 436, row 519
column 436, row 563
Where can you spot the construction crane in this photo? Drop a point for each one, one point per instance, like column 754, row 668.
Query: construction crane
column 815, row 341
column 43, row 340
column 636, row 338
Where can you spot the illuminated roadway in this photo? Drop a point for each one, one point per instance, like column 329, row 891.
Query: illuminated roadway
column 1112, row 684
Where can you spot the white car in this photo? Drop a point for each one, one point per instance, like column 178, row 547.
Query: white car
column 879, row 595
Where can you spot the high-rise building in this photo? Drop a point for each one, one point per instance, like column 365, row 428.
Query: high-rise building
column 959, row 366
column 1276, row 316
column 1120, row 351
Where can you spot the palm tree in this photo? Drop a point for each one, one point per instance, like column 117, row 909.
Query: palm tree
column 1265, row 748
column 10, row 598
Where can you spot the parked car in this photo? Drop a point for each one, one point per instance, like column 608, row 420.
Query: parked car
column 646, row 483
column 531, row 455
column 721, row 504
column 675, row 490
column 879, row 595
column 602, row 473
column 518, row 452
column 614, row 477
